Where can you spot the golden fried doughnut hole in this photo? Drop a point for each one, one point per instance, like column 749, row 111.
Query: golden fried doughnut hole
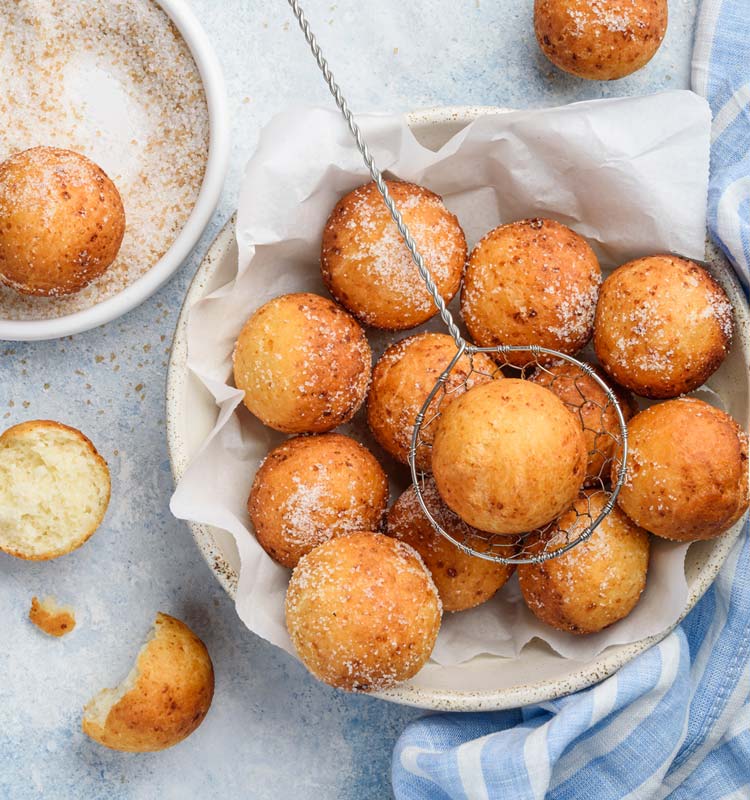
column 362, row 612
column 596, row 583
column 590, row 404
column 601, row 40
column 368, row 268
column 663, row 326
column 463, row 581
column 313, row 488
column 687, row 472
column 508, row 456
column 531, row 282
column 303, row 363
column 61, row 221
column 403, row 378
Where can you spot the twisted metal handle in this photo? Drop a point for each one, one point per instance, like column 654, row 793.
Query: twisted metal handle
column 377, row 177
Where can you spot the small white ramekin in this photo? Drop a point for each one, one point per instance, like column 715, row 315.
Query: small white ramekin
column 208, row 197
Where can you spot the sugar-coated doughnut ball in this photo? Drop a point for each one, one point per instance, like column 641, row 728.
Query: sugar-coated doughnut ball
column 363, row 612
column 531, row 282
column 312, row 488
column 594, row 410
column 508, row 456
column 303, row 363
column 596, row 583
column 601, row 40
column 368, row 268
column 687, row 470
column 61, row 221
column 402, row 380
column 663, row 326
column 463, row 580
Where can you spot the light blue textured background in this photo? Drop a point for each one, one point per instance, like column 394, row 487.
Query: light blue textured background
column 272, row 732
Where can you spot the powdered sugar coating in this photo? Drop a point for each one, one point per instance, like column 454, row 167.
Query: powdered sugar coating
column 368, row 268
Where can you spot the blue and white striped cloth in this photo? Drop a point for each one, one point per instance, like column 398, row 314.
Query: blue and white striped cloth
column 675, row 722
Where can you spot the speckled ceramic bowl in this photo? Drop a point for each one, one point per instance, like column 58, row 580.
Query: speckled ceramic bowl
column 486, row 682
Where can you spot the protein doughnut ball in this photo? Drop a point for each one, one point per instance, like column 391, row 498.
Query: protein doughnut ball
column 312, row 488
column 368, row 268
column 61, row 221
column 363, row 612
column 687, row 471
column 601, row 40
column 402, row 380
column 508, row 456
column 303, row 363
column 595, row 412
column 531, row 282
column 463, row 581
column 596, row 583
column 663, row 326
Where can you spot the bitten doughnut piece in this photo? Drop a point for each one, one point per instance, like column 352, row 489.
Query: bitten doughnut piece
column 531, row 282
column 54, row 489
column 663, row 326
column 687, row 471
column 463, row 581
column 303, row 363
column 363, row 612
column 162, row 701
column 402, row 380
column 313, row 488
column 508, row 456
column 596, row 414
column 53, row 619
column 601, row 40
column 61, row 221
column 368, row 268
column 596, row 583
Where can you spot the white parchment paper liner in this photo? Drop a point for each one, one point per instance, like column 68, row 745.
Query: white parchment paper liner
column 630, row 175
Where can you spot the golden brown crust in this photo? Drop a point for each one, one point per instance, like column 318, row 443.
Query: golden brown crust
column 531, row 282
column 663, row 326
column 303, row 363
column 402, row 380
column 601, row 40
column 170, row 698
column 362, row 612
column 367, row 267
column 313, row 488
column 508, row 456
column 61, row 221
column 596, row 583
column 463, row 581
column 51, row 619
column 596, row 414
column 22, row 430
column 687, row 471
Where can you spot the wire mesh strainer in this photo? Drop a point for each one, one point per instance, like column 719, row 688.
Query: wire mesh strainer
column 558, row 537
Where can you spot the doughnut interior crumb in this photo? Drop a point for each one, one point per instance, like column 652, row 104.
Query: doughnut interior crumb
column 53, row 619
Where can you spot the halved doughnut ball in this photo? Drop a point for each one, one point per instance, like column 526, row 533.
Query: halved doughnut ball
column 594, row 410
column 313, row 488
column 531, row 282
column 602, row 40
column 402, row 380
column 508, row 456
column 368, row 268
column 663, row 326
column 61, row 221
column 687, row 471
column 363, row 612
column 303, row 363
column 463, row 580
column 596, row 583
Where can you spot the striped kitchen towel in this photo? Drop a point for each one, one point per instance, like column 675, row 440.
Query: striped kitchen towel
column 675, row 722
